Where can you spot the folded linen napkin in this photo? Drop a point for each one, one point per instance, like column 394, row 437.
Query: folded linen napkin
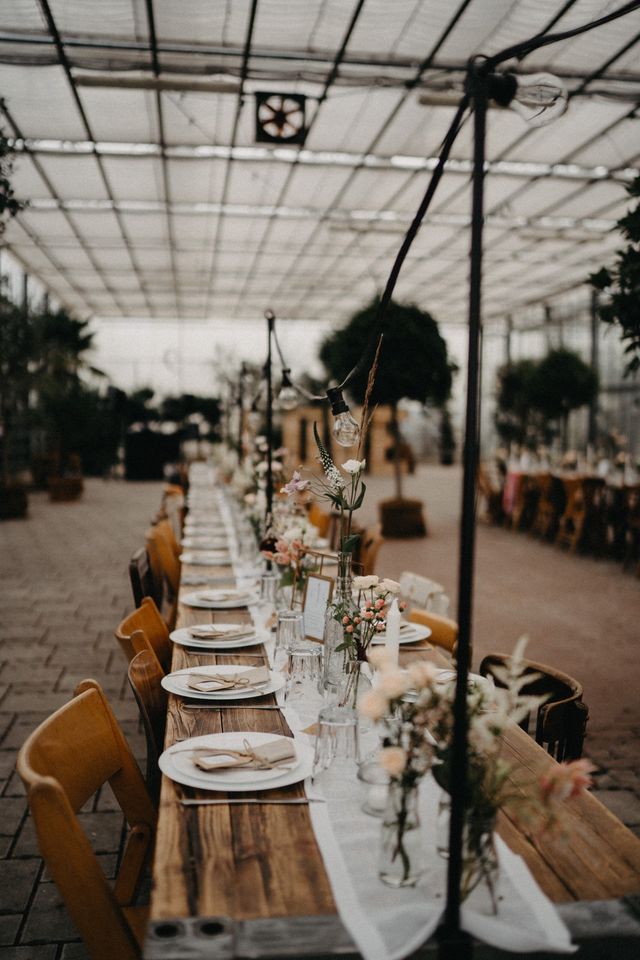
column 263, row 757
column 211, row 632
column 215, row 595
column 242, row 680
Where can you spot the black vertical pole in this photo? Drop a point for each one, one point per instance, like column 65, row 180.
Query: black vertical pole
column 454, row 942
column 269, row 511
column 240, row 410
column 595, row 364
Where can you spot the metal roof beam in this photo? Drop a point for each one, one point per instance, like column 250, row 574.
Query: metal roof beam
column 64, row 63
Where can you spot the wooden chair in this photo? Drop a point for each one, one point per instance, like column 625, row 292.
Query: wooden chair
column 419, row 590
column 145, row 629
column 164, row 561
column 571, row 520
column 444, row 632
column 551, row 504
column 165, row 530
column 492, row 493
column 145, row 676
column 143, row 582
column 319, row 518
column 560, row 723
column 370, row 544
column 62, row 764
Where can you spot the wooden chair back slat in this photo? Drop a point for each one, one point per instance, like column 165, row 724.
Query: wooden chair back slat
column 145, row 676
column 560, row 723
column 147, row 620
column 143, row 581
column 444, row 632
column 62, row 763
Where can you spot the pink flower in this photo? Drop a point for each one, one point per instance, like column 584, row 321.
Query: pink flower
column 567, row 780
column 295, row 485
column 403, row 604
column 379, row 604
column 367, row 615
column 349, row 629
column 380, row 626
column 346, row 620
column 357, row 619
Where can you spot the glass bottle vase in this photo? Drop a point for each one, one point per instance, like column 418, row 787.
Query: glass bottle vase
column 335, row 662
column 479, row 855
column 401, row 853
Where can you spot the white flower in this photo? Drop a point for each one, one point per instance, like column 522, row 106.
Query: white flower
column 363, row 583
column 354, row 466
column 293, row 533
column 262, row 467
column 388, row 586
column 393, row 760
column 422, row 674
column 379, row 658
column 394, row 683
column 374, row 705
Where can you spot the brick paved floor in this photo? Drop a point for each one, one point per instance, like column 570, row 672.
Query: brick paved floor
column 64, row 587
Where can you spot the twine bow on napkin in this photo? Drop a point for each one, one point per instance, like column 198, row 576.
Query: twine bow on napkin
column 244, row 680
column 268, row 755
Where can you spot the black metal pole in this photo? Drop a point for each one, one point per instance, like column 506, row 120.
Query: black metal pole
column 240, row 410
column 454, row 942
column 269, row 510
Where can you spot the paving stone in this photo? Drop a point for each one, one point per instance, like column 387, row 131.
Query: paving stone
column 32, row 700
column 48, row 918
column 12, row 811
column 44, row 676
column 40, row 952
column 623, row 803
column 17, row 879
column 9, row 927
column 14, row 787
column 74, row 951
column 7, row 763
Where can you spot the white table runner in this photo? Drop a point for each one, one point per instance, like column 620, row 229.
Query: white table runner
column 388, row 924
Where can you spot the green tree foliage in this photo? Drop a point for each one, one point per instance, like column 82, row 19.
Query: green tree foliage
column 532, row 394
column 513, row 400
column 414, row 364
column 9, row 204
column 620, row 284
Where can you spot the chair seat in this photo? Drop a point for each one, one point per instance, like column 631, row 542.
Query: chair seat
column 137, row 917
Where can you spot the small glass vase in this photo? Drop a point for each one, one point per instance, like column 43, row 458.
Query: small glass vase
column 401, row 854
column 479, row 856
column 335, row 661
column 355, row 683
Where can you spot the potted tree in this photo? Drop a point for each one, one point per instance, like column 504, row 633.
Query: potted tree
column 15, row 352
column 62, row 342
column 414, row 365
column 16, row 380
column 560, row 383
column 513, row 414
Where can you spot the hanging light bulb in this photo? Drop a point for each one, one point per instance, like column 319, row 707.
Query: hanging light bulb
column 287, row 395
column 539, row 98
column 346, row 430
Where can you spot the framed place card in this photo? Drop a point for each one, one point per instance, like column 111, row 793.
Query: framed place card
column 317, row 594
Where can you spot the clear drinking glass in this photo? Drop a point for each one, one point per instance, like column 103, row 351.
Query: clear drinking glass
column 335, row 764
column 304, row 674
column 289, row 633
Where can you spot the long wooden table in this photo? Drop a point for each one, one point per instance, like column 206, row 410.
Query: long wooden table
column 255, row 863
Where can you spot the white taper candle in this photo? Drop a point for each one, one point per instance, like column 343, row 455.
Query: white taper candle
column 392, row 641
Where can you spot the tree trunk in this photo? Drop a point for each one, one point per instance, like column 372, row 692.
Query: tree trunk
column 397, row 467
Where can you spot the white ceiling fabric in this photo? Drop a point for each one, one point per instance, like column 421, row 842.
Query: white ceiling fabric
column 137, row 206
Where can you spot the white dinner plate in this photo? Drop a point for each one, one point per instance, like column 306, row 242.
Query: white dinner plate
column 412, row 633
column 188, row 774
column 206, row 543
column 197, row 600
column 203, row 559
column 184, row 638
column 202, row 529
column 172, row 683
